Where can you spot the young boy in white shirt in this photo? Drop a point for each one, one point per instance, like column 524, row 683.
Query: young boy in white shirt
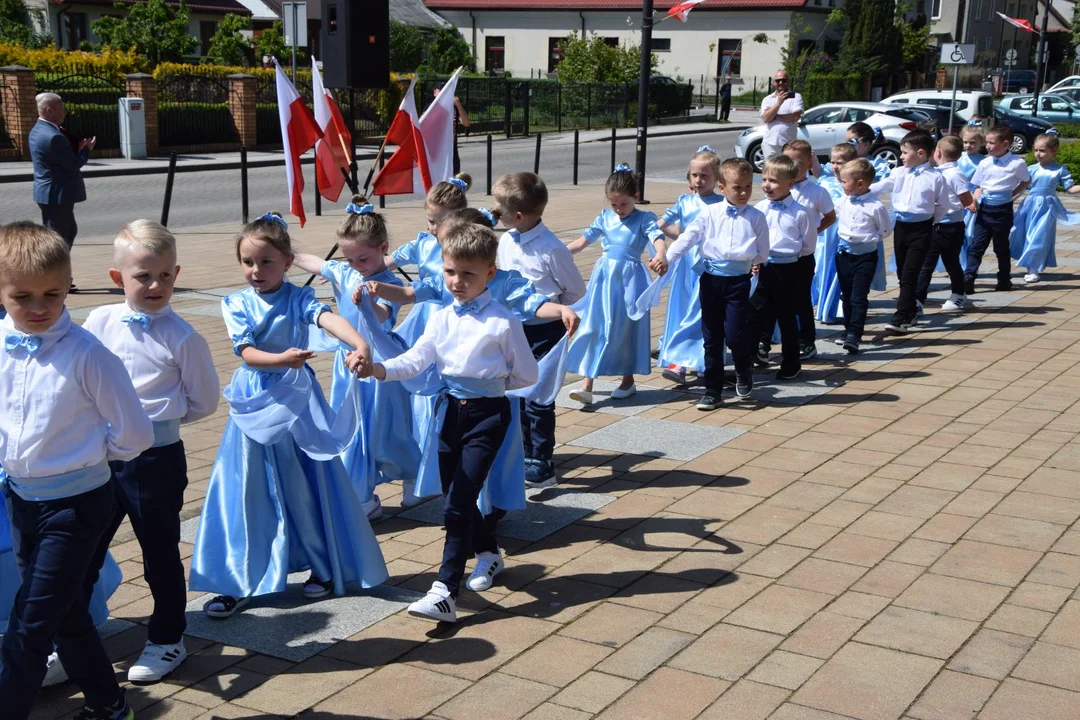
column 67, row 408
column 999, row 179
column 734, row 239
column 480, row 350
column 173, row 373
column 864, row 222
column 948, row 237
column 918, row 196
column 534, row 251
column 791, row 235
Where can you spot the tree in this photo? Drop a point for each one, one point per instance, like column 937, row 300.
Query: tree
column 407, row 47
column 271, row 44
column 440, row 51
column 229, row 46
column 449, row 51
column 593, row 60
column 914, row 36
column 152, row 29
column 872, row 40
column 17, row 26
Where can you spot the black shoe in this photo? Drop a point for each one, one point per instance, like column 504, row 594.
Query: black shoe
column 785, row 374
column 655, row 353
column 538, row 473
column 744, row 386
column 969, row 286
column 1003, row 285
column 709, row 401
column 120, row 711
column 807, row 350
column 898, row 328
column 851, row 346
column 761, row 357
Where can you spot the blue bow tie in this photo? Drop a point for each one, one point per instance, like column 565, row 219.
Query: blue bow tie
column 30, row 344
column 732, row 211
column 776, row 205
column 918, row 171
column 859, row 199
column 999, row 160
column 467, row 308
column 137, row 318
column 515, row 236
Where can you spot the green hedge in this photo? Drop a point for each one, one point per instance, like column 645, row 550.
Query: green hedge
column 817, row 89
column 1068, row 130
column 1069, row 155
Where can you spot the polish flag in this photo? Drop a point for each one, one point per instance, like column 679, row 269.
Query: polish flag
column 407, row 170
column 681, row 10
column 299, row 133
column 437, row 127
column 332, row 153
column 1024, row 25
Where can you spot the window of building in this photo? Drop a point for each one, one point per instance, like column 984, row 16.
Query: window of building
column 661, row 44
column 207, row 28
column 988, row 43
column 73, row 29
column 495, row 53
column 730, row 59
column 935, row 9
column 612, row 41
column 555, row 52
column 978, row 9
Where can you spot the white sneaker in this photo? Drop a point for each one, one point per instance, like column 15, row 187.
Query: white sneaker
column 622, row 393
column 373, row 508
column 437, row 605
column 408, row 494
column 955, row 303
column 582, row 396
column 488, row 565
column 156, row 662
column 54, row 673
column 1031, row 278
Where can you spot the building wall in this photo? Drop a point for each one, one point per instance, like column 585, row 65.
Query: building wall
column 527, row 35
column 992, row 36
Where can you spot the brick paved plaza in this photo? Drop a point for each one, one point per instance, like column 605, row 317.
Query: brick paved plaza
column 895, row 536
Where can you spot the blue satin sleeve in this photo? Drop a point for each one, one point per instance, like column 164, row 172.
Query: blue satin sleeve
column 426, row 290
column 595, row 231
column 237, row 322
column 649, row 228
column 337, row 273
column 673, row 215
column 518, row 295
column 407, row 254
column 308, row 307
column 1066, row 178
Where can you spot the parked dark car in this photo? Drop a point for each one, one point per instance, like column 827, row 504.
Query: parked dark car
column 1025, row 128
column 931, row 118
column 1019, row 81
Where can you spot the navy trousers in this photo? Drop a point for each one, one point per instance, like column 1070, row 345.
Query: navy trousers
column 911, row 242
column 725, row 318
column 61, row 220
column 807, row 328
column 776, row 302
column 992, row 224
column 150, row 491
column 856, row 273
column 471, row 435
column 58, row 549
column 538, row 421
column 946, row 243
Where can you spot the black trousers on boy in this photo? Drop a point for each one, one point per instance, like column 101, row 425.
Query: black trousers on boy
column 776, row 302
column 538, row 421
column 946, row 243
column 911, row 242
column 807, row 329
column 471, row 435
column 992, row 223
column 856, row 273
column 150, row 491
column 725, row 318
column 58, row 549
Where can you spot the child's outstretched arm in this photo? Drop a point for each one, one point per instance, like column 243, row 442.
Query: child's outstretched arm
column 554, row 311
column 260, row 359
column 308, row 262
column 397, row 294
column 672, row 230
column 578, row 245
column 340, row 328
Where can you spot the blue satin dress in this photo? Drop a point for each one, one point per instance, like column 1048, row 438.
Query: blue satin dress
column 279, row 499
column 1031, row 241
column 425, row 254
column 825, row 288
column 380, row 452
column 609, row 342
column 967, row 165
column 682, row 342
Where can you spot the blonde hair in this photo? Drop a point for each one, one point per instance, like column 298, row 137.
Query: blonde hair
column 27, row 248
column 1000, row 132
column 447, row 195
column 846, row 151
column 858, row 169
column 369, row 229
column 976, row 130
column 706, row 154
column 271, row 228
column 734, row 168
column 951, row 147
column 522, row 192
column 469, row 241
column 781, row 165
column 799, row 146
column 146, row 234
column 1050, row 140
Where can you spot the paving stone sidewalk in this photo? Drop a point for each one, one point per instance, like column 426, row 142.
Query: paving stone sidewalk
column 893, row 537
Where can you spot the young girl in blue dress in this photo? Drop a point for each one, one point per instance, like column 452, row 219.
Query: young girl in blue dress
column 682, row 346
column 609, row 342
column 825, row 288
column 1031, row 241
column 380, row 452
column 279, row 499
column 974, row 139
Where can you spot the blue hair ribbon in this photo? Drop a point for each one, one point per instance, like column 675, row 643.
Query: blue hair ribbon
column 623, row 167
column 365, row 209
column 459, row 183
column 274, row 217
column 488, row 215
column 705, row 148
column 974, row 123
column 877, row 133
column 854, row 141
column 1051, row 131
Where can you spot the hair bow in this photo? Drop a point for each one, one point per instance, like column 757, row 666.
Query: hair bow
column 705, row 148
column 365, row 209
column 877, row 133
column 854, row 142
column 623, row 167
column 459, row 183
column 974, row 123
column 1051, row 131
column 274, row 217
column 488, row 215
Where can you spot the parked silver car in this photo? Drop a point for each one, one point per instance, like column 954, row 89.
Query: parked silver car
column 826, row 125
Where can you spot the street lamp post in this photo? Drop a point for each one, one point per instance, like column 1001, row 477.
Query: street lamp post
column 643, row 93
column 1040, row 64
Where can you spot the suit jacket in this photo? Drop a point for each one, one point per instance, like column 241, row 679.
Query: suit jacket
column 57, row 176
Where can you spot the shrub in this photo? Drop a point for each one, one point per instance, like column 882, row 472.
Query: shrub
column 817, row 89
column 113, row 64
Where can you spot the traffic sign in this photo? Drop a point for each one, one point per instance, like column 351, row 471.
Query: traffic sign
column 1010, row 57
column 957, row 54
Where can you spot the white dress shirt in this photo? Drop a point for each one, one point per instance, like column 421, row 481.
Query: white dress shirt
column 543, row 260
column 791, row 234
column 814, row 198
column 999, row 177
column 955, row 186
column 66, row 405
column 485, row 344
column 778, row 132
column 169, row 362
column 862, row 220
column 743, row 237
column 916, row 192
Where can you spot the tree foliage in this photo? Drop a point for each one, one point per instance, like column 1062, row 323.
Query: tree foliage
column 591, row 59
column 271, row 44
column 873, row 40
column 440, row 51
column 229, row 45
column 152, row 29
column 17, row 26
column 914, row 35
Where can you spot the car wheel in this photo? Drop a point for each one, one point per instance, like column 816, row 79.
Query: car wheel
column 756, row 155
column 889, row 153
column 1023, row 91
column 1019, row 144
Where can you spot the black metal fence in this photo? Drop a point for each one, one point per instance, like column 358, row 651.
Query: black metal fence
column 92, row 102
column 5, row 138
column 194, row 110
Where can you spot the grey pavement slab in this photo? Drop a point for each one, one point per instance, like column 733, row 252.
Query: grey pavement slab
column 658, row 438
column 645, row 398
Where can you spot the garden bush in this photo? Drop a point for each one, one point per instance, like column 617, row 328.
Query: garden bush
column 113, row 64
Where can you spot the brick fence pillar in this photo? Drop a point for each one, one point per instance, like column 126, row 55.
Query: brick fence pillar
column 20, row 105
column 242, row 107
column 142, row 85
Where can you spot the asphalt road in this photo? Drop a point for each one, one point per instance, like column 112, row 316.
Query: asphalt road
column 214, row 196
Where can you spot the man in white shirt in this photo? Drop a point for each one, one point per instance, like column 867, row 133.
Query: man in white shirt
column 780, row 111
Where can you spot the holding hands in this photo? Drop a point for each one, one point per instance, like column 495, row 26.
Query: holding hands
column 659, row 264
column 359, row 362
column 295, row 357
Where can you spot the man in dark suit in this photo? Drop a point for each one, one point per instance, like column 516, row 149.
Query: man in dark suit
column 58, row 181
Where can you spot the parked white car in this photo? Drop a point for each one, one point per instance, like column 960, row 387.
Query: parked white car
column 968, row 102
column 826, row 125
column 1069, row 82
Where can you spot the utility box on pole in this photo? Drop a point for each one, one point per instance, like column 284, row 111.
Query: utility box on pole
column 133, row 128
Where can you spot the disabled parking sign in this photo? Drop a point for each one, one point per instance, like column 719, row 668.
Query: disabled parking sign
column 957, row 54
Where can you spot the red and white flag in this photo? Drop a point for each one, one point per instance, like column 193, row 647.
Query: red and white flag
column 437, row 127
column 332, row 153
column 299, row 133
column 1024, row 25
column 406, row 171
column 681, row 10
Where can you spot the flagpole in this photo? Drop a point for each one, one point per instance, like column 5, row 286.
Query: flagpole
column 1044, row 49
